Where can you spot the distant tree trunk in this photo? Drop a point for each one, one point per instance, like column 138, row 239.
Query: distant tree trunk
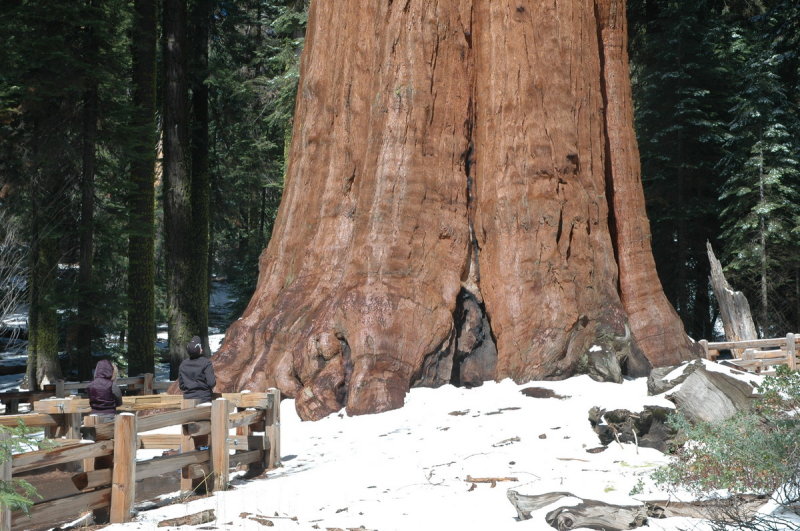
column 199, row 18
column 46, row 195
column 86, row 292
column 762, row 236
column 177, row 186
column 451, row 152
column 86, row 317
column 141, row 237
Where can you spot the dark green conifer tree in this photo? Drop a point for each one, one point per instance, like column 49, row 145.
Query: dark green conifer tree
column 761, row 194
column 679, row 89
column 141, row 198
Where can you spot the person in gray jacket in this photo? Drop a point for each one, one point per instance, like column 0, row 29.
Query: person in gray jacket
column 196, row 375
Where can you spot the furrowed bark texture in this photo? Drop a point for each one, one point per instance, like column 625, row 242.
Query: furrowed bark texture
column 182, row 296
column 141, row 200
column 653, row 320
column 445, row 216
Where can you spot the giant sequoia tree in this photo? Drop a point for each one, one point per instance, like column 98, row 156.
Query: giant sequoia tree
column 462, row 202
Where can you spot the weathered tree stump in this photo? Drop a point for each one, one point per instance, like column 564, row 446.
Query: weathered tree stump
column 737, row 321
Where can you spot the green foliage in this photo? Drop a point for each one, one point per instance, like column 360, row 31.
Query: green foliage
column 760, row 199
column 755, row 452
column 746, row 454
column 254, row 63
column 715, row 88
column 17, row 494
column 679, row 89
column 47, row 65
column 780, row 396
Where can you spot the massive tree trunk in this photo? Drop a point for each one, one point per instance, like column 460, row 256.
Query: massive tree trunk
column 655, row 324
column 462, row 193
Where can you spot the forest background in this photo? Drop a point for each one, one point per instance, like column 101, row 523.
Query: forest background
column 142, row 149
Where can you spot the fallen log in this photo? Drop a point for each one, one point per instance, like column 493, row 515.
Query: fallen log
column 203, row 517
column 526, row 504
column 716, row 509
column 493, row 481
column 575, row 512
column 593, row 514
column 579, row 513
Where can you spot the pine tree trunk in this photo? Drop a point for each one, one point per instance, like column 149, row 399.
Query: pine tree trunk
column 177, row 186
column 46, row 190
column 85, row 273
column 141, row 210
column 451, row 154
column 762, row 237
column 86, row 292
column 201, row 188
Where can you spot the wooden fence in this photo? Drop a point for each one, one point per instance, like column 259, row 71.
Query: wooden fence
column 757, row 355
column 144, row 385
column 102, row 473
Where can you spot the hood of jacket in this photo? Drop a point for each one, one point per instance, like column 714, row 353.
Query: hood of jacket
column 104, row 369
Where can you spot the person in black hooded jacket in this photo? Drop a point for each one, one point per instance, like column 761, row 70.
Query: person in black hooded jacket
column 196, row 375
column 104, row 393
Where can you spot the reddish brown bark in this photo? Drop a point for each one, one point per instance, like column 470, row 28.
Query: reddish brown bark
column 654, row 322
column 448, row 158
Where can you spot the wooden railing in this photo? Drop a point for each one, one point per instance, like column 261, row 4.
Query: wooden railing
column 757, row 355
column 104, row 474
column 145, row 385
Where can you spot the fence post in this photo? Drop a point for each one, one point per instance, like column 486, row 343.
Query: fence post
column 273, row 428
column 73, row 425
column 123, row 475
column 5, row 476
column 188, row 444
column 89, row 421
column 220, row 458
column 147, row 385
column 791, row 351
column 60, row 393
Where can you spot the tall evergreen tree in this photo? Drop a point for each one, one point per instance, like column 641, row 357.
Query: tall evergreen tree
column 53, row 79
column 760, row 196
column 679, row 93
column 141, row 202
column 199, row 21
column 254, row 58
column 178, row 244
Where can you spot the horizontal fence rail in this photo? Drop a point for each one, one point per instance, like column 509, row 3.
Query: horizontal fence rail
column 756, row 355
column 142, row 385
column 101, row 472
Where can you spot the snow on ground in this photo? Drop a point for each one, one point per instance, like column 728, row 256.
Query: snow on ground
column 407, row 469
